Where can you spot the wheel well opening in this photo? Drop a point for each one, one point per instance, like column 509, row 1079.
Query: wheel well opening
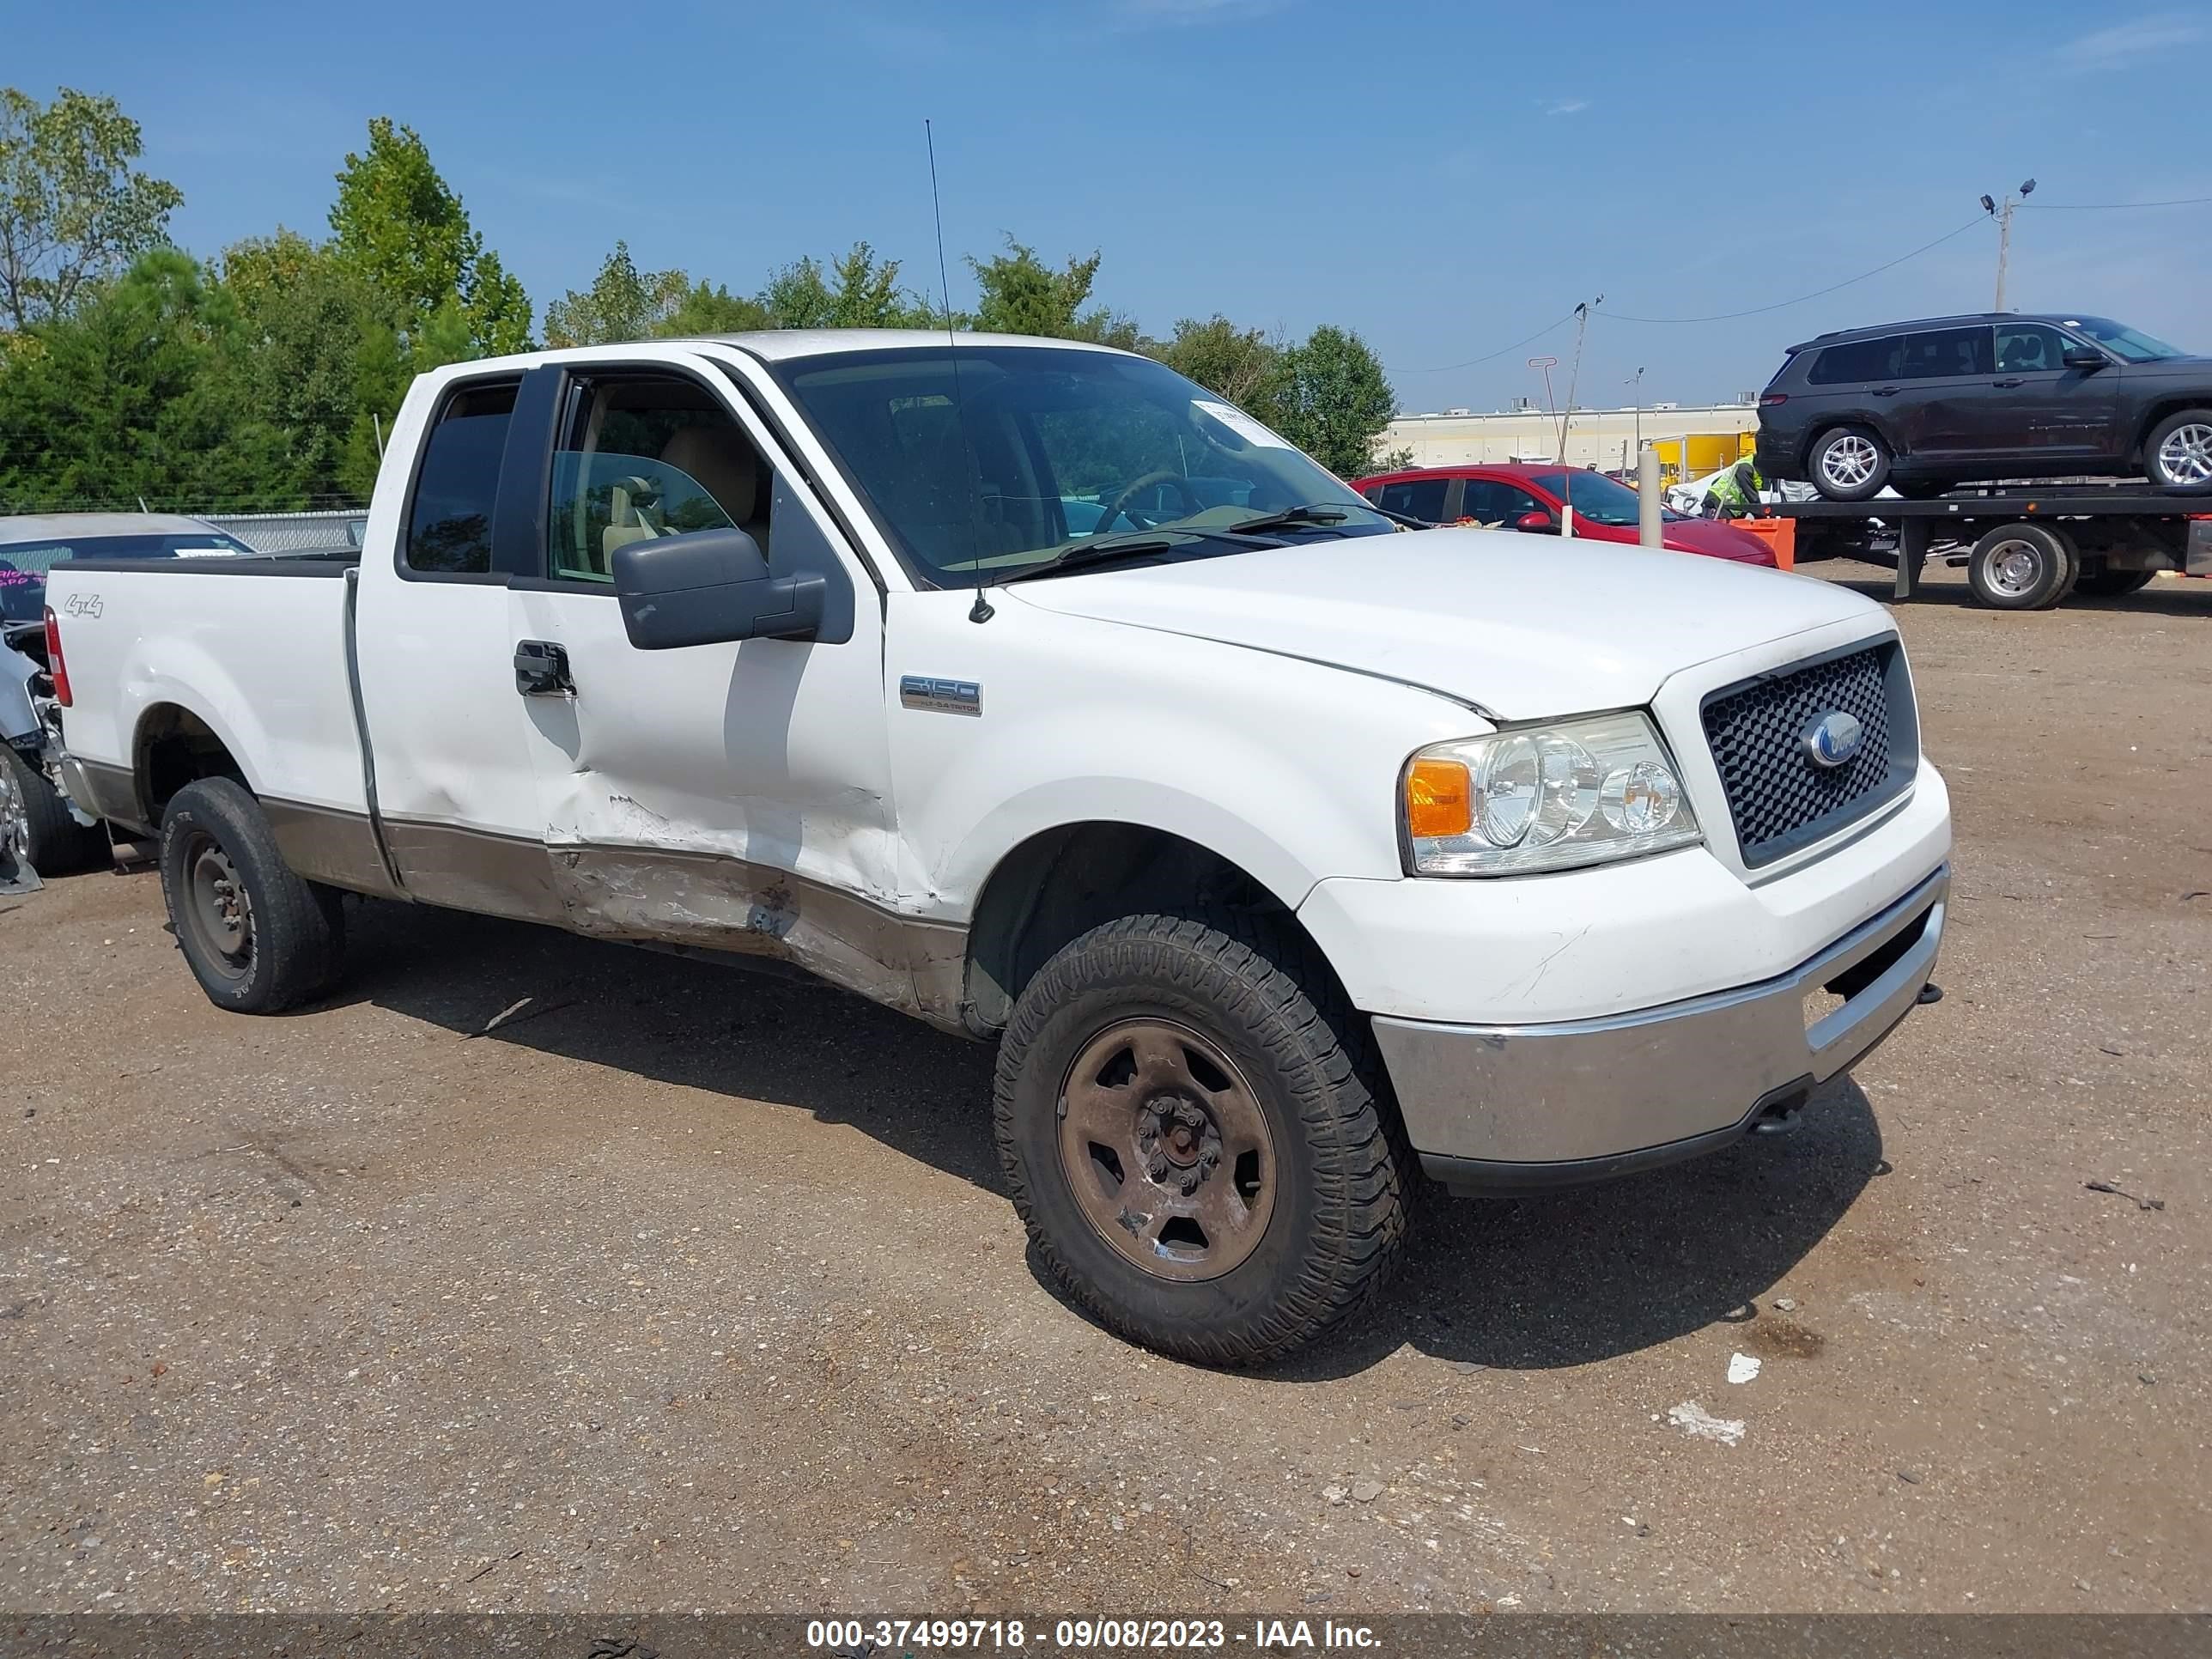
column 2159, row 411
column 175, row 747
column 1059, row 885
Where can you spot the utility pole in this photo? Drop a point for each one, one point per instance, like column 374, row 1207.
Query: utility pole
column 1582, row 327
column 1637, row 380
column 2002, row 214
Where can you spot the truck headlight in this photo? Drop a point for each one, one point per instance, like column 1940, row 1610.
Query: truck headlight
column 1544, row 798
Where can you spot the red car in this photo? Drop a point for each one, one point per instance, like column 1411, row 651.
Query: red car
column 1529, row 498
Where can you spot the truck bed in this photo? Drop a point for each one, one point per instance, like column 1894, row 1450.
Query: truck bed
column 263, row 642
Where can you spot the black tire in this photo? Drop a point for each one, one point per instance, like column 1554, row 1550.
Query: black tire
column 2111, row 584
column 1337, row 1171
column 2190, row 467
column 55, row 843
column 1920, row 489
column 284, row 939
column 1849, row 464
column 2022, row 567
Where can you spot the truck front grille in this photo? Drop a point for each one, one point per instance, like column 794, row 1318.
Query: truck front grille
column 1760, row 730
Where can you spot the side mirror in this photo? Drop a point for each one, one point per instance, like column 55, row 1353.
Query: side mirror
column 1537, row 523
column 708, row 588
column 2082, row 357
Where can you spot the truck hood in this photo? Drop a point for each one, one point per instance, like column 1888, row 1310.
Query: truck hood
column 1523, row 627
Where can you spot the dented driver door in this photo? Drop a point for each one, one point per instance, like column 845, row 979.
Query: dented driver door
column 733, row 797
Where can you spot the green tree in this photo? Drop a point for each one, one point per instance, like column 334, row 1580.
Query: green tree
column 310, row 333
column 398, row 223
column 124, row 398
column 1242, row 365
column 73, row 211
column 1022, row 295
column 711, row 308
column 1338, row 400
column 622, row 303
column 857, row 291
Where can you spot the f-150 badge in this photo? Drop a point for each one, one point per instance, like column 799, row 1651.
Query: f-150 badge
column 940, row 696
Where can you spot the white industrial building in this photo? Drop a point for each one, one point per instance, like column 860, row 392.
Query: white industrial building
column 1604, row 438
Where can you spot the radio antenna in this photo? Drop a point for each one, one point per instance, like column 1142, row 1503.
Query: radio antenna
column 981, row 610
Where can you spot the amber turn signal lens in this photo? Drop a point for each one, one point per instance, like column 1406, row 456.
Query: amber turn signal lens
column 1439, row 800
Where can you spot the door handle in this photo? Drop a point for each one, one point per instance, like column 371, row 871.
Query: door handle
column 541, row 670
column 2007, row 385
column 1887, row 391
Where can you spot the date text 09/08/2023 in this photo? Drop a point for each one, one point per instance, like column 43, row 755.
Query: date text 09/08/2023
column 866, row 1638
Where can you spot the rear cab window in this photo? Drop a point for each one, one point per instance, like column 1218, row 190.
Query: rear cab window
column 457, row 484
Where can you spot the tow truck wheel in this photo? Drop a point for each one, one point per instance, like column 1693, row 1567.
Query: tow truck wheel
column 2112, row 584
column 258, row 938
column 1850, row 463
column 2022, row 567
column 1193, row 1143
column 35, row 822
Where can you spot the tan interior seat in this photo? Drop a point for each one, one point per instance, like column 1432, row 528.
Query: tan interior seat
column 722, row 463
column 635, row 516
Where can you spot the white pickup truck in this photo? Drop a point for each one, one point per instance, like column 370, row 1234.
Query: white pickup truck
column 1028, row 687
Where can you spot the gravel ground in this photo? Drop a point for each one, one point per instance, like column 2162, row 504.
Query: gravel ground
column 687, row 1288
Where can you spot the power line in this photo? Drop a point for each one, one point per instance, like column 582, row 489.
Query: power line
column 1784, row 305
column 1490, row 357
column 2111, row 207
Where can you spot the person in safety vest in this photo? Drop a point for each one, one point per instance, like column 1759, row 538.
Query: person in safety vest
column 1735, row 493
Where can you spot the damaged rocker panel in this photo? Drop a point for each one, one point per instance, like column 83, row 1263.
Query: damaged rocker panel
column 697, row 901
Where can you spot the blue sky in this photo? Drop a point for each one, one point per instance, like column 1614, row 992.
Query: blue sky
column 1444, row 178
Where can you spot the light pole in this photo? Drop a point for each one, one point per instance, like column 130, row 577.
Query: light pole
column 1637, row 380
column 2002, row 214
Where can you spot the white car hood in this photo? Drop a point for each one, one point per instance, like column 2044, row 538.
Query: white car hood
column 1524, row 627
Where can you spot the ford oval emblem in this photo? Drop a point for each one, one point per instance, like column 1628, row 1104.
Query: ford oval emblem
column 1832, row 739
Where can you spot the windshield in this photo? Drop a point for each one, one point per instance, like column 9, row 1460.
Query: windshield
column 24, row 565
column 2130, row 344
column 1034, row 450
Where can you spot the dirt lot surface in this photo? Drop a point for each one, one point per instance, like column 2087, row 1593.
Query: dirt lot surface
column 687, row 1288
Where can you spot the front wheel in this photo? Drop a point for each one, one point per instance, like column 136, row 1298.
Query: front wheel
column 2022, row 567
column 2179, row 453
column 258, row 938
column 1193, row 1142
column 1850, row 463
column 35, row 822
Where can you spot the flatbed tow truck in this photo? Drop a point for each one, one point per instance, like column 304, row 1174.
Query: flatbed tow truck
column 2026, row 547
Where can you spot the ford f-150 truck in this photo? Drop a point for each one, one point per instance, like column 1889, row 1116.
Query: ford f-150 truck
column 1029, row 687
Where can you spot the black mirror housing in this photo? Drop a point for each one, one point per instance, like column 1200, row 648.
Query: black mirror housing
column 710, row 587
column 2082, row 357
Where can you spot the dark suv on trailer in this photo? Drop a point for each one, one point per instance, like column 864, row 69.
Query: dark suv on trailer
column 1924, row 406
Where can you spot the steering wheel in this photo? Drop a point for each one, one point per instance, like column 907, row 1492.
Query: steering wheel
column 1121, row 503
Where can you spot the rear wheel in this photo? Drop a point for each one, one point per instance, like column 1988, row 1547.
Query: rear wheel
column 2022, row 567
column 1850, row 463
column 2111, row 584
column 2179, row 453
column 1194, row 1143
column 258, row 938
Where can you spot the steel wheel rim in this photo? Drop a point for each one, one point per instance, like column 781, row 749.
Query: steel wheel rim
column 215, row 906
column 1166, row 1149
column 14, row 816
column 2185, row 455
column 1849, row 462
column 2014, row 567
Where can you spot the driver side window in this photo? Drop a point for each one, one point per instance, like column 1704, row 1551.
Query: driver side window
column 644, row 456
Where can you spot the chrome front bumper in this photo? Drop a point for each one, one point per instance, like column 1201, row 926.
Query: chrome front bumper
column 1586, row 1098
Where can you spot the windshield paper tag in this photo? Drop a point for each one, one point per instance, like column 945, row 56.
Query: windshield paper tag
column 1241, row 423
